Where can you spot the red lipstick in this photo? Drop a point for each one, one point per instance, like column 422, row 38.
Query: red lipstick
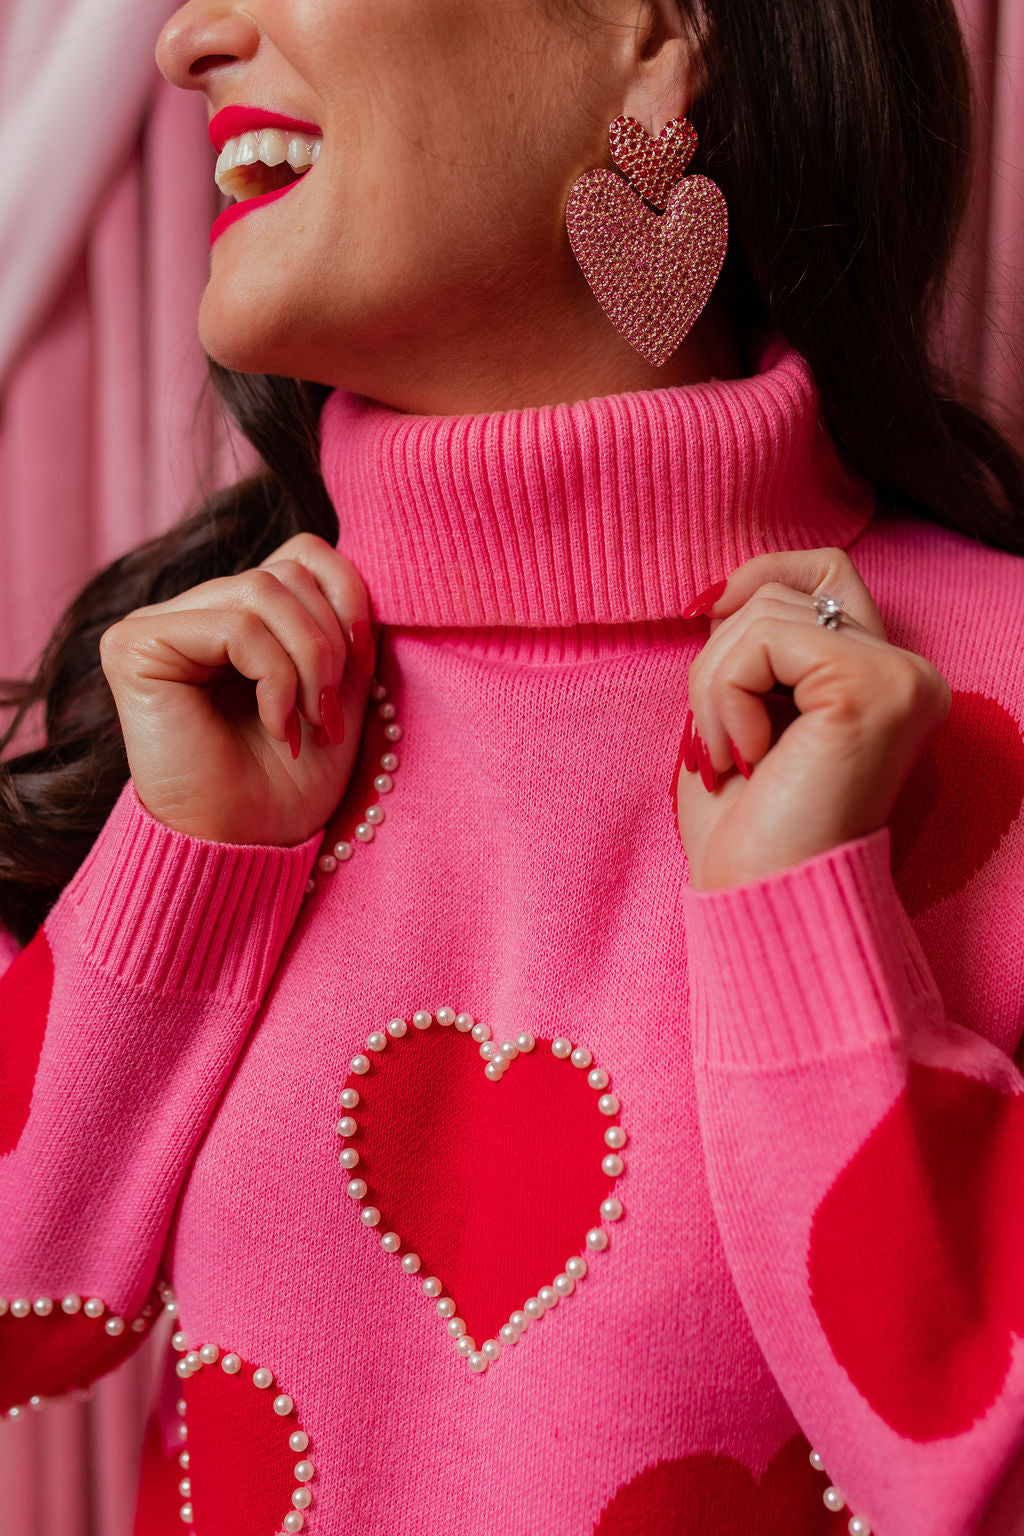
column 237, row 210
column 235, row 120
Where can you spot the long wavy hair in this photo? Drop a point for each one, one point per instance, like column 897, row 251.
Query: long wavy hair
column 840, row 133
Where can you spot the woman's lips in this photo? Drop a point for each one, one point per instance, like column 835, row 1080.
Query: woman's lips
column 237, row 210
column 231, row 122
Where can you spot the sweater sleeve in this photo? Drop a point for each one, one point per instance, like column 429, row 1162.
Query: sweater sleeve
column 865, row 1155
column 119, row 1024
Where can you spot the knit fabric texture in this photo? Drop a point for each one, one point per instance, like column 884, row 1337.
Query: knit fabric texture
column 812, row 1244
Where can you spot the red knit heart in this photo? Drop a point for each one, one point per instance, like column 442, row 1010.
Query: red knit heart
column 917, row 1254
column 493, row 1185
column 701, row 1495
column 653, row 165
column 60, row 1352
column 651, row 273
column 959, row 802
column 25, row 990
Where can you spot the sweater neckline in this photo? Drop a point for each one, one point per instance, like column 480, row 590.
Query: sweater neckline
column 618, row 509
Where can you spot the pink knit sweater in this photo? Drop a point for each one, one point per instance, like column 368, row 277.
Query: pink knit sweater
column 756, row 1247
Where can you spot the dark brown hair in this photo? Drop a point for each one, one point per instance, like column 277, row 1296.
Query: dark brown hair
column 840, row 133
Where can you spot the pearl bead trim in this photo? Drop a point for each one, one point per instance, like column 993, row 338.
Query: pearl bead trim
column 833, row 1500
column 383, row 783
column 190, row 1363
column 497, row 1057
column 94, row 1308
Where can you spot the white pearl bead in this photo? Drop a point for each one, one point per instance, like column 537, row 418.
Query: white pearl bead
column 445, row 1016
column 304, row 1471
column 397, row 1028
column 178, row 1340
column 389, row 762
column 490, row 1349
column 293, row 1522
column 548, row 1297
column 564, row 1285
column 377, row 1041
column 17, row 1412
column 302, row 1498
column 343, row 851
column 455, row 1327
column 478, row 1362
column 193, row 1361
column 347, row 1126
column 561, row 1048
column 817, row 1461
column 114, row 1326
column 465, row 1346
column 231, row 1365
column 581, row 1057
column 386, row 711
column 391, row 1242
column 348, row 1158
column 364, row 832
column 209, row 1354
column 378, row 691
column 464, row 1022
column 489, row 1050
column 186, row 1513
column 508, row 1334
column 833, row 1499
column 597, row 1239
column 185, row 1487
column 520, row 1322
column 93, row 1307
column 183, row 1460
column 411, row 1263
column 375, row 814
column 422, row 1019
column 481, row 1032
column 42, row 1306
column 369, row 1215
column 393, row 732
column 328, row 863
column 525, row 1042
column 263, row 1378
column 182, row 1370
column 171, row 1308
column 36, row 1403
column 4, row 1306
column 432, row 1286
column 360, row 1064
column 509, row 1050
column 298, row 1440
column 21, row 1307
column 139, row 1325
column 608, row 1104
column 597, row 1077
column 576, row 1267
column 355, row 1188
column 858, row 1526
column 182, row 1407
column 612, row 1165
column 534, row 1308
column 611, row 1209
column 349, row 1098
column 383, row 783
column 283, row 1405
column 615, row 1137
column 494, row 1072
column 71, row 1304
column 445, row 1307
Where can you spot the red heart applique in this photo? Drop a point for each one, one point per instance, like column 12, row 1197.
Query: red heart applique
column 916, row 1258
column 651, row 273
column 25, row 990
column 711, row 1495
column 493, row 1185
column 59, row 1351
column 653, row 165
column 958, row 803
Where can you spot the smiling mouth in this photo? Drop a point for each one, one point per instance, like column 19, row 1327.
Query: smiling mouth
column 264, row 160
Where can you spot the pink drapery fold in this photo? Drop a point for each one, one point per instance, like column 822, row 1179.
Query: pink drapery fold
column 105, row 440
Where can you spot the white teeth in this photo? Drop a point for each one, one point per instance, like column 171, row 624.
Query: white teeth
column 263, row 146
column 299, row 154
column 315, row 151
column 273, row 147
column 247, row 152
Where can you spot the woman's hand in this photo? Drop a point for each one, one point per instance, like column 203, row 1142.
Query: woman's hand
column 823, row 772
column 210, row 685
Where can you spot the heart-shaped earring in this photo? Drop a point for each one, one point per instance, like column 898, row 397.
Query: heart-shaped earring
column 652, row 273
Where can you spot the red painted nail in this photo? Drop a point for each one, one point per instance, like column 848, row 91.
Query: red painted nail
column 689, row 748
column 707, row 772
column 704, row 601
column 743, row 766
column 330, row 714
column 362, row 646
column 293, row 731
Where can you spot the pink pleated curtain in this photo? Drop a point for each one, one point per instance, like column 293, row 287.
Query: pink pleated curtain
column 106, row 435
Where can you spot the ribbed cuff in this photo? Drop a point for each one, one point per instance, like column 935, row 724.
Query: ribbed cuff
column 815, row 960
column 172, row 913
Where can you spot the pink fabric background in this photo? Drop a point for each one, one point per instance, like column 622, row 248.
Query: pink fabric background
column 104, row 439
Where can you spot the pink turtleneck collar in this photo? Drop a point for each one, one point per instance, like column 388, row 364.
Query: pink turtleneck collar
column 611, row 510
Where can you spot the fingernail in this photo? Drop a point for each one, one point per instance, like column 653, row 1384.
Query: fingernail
column 362, row 646
column 707, row 772
column 744, row 767
column 704, row 601
column 293, row 731
column 330, row 714
column 681, row 762
column 689, row 749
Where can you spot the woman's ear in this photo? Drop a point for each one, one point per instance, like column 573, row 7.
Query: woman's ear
column 668, row 68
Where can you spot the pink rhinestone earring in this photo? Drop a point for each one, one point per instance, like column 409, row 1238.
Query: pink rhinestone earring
column 651, row 247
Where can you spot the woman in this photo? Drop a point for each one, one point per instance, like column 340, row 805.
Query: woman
column 418, row 983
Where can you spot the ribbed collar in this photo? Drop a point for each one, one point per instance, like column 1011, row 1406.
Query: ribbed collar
column 617, row 509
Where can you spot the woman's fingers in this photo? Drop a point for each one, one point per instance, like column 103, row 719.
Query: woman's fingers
column 810, row 571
